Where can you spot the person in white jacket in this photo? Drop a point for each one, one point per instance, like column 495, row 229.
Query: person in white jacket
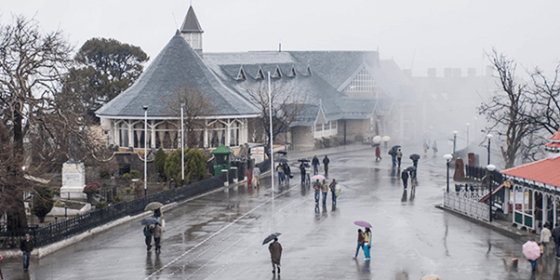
column 545, row 237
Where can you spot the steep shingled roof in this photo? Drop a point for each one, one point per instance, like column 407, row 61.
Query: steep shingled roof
column 191, row 23
column 176, row 66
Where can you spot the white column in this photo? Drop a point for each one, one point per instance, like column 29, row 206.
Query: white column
column 554, row 218
column 523, row 207
column 130, row 135
column 228, row 133
column 544, row 207
column 205, row 136
column 514, row 188
column 533, row 209
column 153, row 134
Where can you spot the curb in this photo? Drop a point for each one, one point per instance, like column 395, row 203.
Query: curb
column 496, row 227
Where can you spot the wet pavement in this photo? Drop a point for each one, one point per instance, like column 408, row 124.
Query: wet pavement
column 219, row 236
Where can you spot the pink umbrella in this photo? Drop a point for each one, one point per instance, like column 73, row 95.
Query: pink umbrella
column 531, row 250
column 317, row 177
column 362, row 224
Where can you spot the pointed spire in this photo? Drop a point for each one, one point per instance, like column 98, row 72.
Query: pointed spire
column 191, row 25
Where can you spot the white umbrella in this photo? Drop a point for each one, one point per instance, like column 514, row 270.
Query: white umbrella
column 377, row 139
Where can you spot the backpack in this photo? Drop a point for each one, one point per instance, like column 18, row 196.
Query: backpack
column 148, row 231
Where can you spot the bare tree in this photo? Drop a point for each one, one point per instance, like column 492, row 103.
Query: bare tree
column 509, row 111
column 547, row 97
column 196, row 105
column 33, row 108
column 287, row 105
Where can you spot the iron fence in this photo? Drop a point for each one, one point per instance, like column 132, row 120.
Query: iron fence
column 62, row 230
column 478, row 173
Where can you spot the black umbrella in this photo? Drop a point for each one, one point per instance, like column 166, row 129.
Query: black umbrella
column 396, row 147
column 410, row 168
column 281, row 159
column 414, row 157
column 271, row 237
column 150, row 221
column 303, row 160
column 282, row 152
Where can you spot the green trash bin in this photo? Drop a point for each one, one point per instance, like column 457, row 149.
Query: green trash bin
column 222, row 159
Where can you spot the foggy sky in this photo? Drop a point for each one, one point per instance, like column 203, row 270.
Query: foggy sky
column 416, row 34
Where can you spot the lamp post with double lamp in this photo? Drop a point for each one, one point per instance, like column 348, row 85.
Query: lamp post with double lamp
column 455, row 132
column 447, row 157
column 145, row 150
column 490, row 168
column 489, row 136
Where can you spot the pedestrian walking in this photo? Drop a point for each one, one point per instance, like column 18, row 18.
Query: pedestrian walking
column 249, row 177
column 533, row 262
column 26, row 247
column 360, row 243
column 317, row 186
column 426, row 147
column 148, row 234
column 315, row 163
column 377, row 153
column 404, row 177
column 256, row 174
column 308, row 175
column 556, row 236
column 326, row 162
column 1, row 275
column 399, row 158
column 275, row 255
column 325, row 190
column 332, row 186
column 434, row 147
column 157, row 237
column 287, row 173
column 367, row 243
column 302, row 172
column 280, row 171
column 545, row 238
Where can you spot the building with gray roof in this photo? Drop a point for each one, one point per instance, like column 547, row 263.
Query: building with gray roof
column 345, row 95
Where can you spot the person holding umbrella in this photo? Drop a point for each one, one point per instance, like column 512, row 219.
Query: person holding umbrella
column 275, row 255
column 325, row 191
column 367, row 244
column 332, row 186
column 532, row 252
column 148, row 233
column 317, row 187
column 302, row 172
column 157, row 237
column 399, row 157
column 360, row 242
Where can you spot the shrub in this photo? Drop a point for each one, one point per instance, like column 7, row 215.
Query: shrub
column 104, row 174
column 135, row 174
column 117, row 199
column 126, row 176
column 127, row 189
column 43, row 203
column 195, row 165
column 100, row 205
column 92, row 187
column 159, row 161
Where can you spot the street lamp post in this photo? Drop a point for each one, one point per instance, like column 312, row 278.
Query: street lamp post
column 182, row 146
column 455, row 132
column 490, row 168
column 468, row 124
column 489, row 136
column 145, row 150
column 271, row 141
column 447, row 157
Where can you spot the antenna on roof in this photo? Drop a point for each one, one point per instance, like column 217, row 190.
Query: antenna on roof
column 280, row 46
column 175, row 20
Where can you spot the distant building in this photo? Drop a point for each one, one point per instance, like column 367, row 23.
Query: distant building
column 348, row 95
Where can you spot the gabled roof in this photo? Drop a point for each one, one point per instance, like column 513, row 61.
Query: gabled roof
column 176, row 66
column 191, row 25
column 543, row 171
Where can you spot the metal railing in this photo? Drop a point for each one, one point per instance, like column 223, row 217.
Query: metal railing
column 477, row 173
column 466, row 206
column 73, row 226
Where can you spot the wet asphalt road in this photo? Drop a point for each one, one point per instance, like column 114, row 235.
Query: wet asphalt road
column 219, row 236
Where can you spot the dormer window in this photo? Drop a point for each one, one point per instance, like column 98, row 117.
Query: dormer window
column 241, row 75
column 277, row 73
column 260, row 75
column 292, row 72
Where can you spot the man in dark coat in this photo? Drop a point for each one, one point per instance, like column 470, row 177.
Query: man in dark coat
column 148, row 233
column 26, row 247
column 326, row 162
column 556, row 237
column 275, row 255
column 404, row 177
column 315, row 163
column 302, row 172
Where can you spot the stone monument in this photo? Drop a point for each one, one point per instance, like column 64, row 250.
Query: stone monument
column 73, row 176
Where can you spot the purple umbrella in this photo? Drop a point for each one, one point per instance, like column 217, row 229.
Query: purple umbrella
column 362, row 224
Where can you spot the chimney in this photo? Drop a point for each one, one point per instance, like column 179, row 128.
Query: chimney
column 447, row 72
column 431, row 72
